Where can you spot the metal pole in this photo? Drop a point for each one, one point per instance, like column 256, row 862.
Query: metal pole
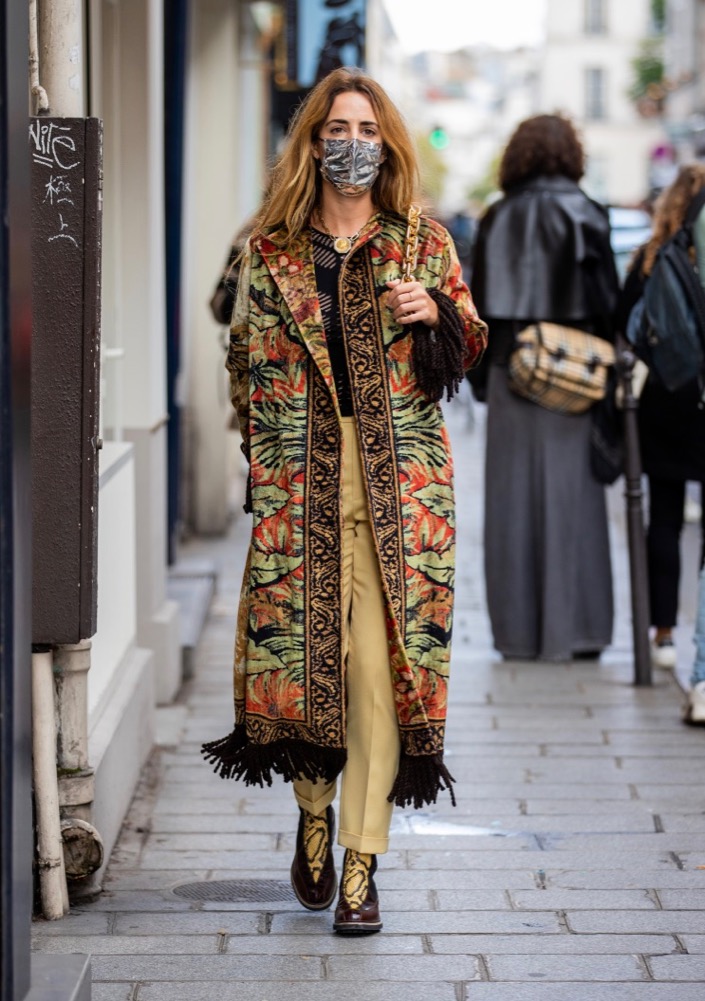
column 638, row 570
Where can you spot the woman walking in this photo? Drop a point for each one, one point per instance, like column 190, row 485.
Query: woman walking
column 337, row 366
column 542, row 254
column 671, row 426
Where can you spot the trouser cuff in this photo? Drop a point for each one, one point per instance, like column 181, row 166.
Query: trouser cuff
column 360, row 843
column 319, row 804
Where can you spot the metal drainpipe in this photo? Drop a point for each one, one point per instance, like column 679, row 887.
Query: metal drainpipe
column 50, row 853
column 50, row 850
column 61, row 56
column 636, row 536
column 39, row 95
column 83, row 845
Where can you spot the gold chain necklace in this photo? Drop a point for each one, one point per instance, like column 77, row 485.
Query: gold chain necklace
column 341, row 244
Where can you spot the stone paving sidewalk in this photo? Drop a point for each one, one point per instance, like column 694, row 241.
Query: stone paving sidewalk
column 572, row 869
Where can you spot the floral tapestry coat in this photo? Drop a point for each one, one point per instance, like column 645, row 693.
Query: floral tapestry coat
column 289, row 672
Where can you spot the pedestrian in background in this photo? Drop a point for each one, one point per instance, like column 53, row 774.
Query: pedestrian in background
column 671, row 424
column 542, row 254
column 343, row 639
column 695, row 706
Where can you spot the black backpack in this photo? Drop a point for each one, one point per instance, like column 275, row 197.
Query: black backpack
column 667, row 325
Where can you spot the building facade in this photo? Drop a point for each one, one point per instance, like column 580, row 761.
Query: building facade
column 684, row 58
column 587, row 72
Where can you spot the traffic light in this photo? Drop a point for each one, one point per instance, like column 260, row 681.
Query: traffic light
column 438, row 137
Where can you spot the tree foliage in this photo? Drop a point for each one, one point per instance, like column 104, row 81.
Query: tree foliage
column 648, row 88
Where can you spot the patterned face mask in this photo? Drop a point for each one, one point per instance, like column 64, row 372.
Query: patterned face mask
column 351, row 165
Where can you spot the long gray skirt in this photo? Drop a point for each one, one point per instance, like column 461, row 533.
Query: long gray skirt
column 547, row 556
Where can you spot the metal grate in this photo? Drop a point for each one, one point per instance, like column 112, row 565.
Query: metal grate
column 233, row 891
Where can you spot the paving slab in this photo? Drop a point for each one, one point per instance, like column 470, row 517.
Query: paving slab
column 623, row 879
column 694, row 944
column 535, row 857
column 113, row 992
column 267, row 990
column 576, row 991
column 195, row 923
column 558, row 944
column 221, row 966
column 675, row 968
column 132, row 945
column 583, row 900
column 620, row 922
column 562, row 968
column 417, row 969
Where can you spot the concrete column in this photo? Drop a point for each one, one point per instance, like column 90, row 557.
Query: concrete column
column 225, row 162
column 138, row 66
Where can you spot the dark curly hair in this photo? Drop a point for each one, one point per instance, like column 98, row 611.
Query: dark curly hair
column 542, row 146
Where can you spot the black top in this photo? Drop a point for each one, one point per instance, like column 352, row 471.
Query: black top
column 328, row 264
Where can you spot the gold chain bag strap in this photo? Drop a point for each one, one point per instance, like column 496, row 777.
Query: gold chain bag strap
column 437, row 360
column 411, row 243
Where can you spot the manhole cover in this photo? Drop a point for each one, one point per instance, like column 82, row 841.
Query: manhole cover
column 233, row 891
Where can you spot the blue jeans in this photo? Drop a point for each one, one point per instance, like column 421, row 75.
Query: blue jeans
column 699, row 637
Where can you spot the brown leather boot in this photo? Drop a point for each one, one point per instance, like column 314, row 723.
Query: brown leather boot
column 357, row 912
column 313, row 869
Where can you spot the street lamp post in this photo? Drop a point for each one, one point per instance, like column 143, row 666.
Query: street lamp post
column 638, row 571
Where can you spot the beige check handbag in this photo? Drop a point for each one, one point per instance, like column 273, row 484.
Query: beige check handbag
column 560, row 368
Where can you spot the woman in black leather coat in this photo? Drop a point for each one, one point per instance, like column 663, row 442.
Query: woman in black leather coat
column 543, row 253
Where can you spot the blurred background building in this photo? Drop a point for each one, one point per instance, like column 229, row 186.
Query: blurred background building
column 587, row 70
column 684, row 77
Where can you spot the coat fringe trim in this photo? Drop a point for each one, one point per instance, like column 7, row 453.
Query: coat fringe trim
column 236, row 757
column 420, row 779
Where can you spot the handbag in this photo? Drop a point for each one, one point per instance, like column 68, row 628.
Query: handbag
column 560, row 368
column 437, row 358
column 607, row 445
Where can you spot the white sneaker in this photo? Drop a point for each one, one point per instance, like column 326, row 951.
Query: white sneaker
column 692, row 512
column 695, row 707
column 663, row 654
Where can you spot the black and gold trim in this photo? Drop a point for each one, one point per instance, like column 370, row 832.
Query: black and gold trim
column 373, row 413
column 323, row 567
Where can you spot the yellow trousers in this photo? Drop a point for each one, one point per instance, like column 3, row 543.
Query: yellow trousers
column 372, row 728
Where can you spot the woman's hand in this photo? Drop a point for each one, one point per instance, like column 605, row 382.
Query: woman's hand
column 411, row 303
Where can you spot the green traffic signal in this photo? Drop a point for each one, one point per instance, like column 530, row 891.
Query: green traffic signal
column 438, row 138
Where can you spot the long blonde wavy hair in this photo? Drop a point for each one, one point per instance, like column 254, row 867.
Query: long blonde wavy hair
column 670, row 209
column 296, row 181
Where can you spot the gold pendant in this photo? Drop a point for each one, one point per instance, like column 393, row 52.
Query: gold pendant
column 342, row 244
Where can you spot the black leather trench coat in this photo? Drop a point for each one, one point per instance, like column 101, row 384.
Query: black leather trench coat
column 542, row 253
